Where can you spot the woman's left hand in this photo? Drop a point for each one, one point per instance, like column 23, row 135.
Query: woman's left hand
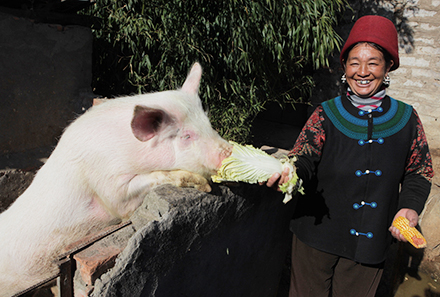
column 278, row 179
column 408, row 213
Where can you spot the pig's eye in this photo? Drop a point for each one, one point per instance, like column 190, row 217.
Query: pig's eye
column 189, row 136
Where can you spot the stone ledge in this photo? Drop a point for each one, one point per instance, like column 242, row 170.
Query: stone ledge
column 236, row 236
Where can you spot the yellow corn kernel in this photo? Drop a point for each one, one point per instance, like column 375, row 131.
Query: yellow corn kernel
column 410, row 233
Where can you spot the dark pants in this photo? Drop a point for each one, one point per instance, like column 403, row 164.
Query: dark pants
column 319, row 274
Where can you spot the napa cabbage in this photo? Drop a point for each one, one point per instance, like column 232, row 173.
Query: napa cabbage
column 252, row 165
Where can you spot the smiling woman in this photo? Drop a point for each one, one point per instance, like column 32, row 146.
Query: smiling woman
column 364, row 160
column 366, row 69
column 368, row 55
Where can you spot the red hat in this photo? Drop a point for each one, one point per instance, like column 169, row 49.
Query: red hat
column 377, row 29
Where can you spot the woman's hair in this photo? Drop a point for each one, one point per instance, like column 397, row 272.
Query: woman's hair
column 385, row 53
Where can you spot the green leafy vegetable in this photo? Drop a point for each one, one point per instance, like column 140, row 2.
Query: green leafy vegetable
column 251, row 165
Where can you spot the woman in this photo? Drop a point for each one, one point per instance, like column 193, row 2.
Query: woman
column 364, row 160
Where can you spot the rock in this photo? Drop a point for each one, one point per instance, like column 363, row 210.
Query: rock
column 430, row 221
column 231, row 242
column 13, row 182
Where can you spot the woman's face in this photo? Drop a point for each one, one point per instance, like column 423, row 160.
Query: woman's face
column 365, row 70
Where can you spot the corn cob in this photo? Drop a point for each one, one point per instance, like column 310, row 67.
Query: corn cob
column 410, row 233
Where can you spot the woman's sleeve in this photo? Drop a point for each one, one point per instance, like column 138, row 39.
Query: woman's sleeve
column 416, row 183
column 308, row 146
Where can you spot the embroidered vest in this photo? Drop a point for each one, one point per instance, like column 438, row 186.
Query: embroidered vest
column 350, row 203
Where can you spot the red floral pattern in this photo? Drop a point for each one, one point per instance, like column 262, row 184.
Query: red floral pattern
column 312, row 137
column 419, row 161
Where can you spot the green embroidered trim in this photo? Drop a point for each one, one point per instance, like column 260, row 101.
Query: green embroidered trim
column 349, row 129
column 390, row 123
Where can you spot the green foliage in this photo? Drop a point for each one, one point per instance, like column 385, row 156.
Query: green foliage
column 251, row 51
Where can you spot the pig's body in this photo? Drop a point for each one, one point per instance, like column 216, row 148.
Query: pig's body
column 102, row 168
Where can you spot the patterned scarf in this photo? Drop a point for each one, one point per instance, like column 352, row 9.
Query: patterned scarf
column 366, row 103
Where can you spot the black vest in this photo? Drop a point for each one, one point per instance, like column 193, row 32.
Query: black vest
column 351, row 201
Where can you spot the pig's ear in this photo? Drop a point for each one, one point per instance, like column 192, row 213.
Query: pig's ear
column 192, row 82
column 147, row 122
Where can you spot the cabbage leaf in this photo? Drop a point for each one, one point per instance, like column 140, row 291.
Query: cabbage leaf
column 252, row 165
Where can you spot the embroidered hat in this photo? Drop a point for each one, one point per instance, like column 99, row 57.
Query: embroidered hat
column 377, row 29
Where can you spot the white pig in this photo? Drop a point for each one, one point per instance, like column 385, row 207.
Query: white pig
column 103, row 166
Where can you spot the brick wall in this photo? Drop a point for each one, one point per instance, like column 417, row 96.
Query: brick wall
column 417, row 81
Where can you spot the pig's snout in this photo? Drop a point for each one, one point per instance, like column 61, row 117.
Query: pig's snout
column 225, row 151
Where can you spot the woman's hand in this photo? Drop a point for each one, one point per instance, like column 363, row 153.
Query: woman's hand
column 278, row 179
column 408, row 213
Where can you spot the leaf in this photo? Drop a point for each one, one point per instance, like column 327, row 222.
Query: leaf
column 251, row 51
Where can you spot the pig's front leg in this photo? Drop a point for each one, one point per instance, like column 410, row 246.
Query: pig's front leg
column 138, row 187
column 179, row 178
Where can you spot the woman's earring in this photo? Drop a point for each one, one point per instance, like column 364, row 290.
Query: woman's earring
column 387, row 80
column 344, row 79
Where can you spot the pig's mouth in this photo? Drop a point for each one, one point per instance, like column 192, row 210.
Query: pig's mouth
column 226, row 152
